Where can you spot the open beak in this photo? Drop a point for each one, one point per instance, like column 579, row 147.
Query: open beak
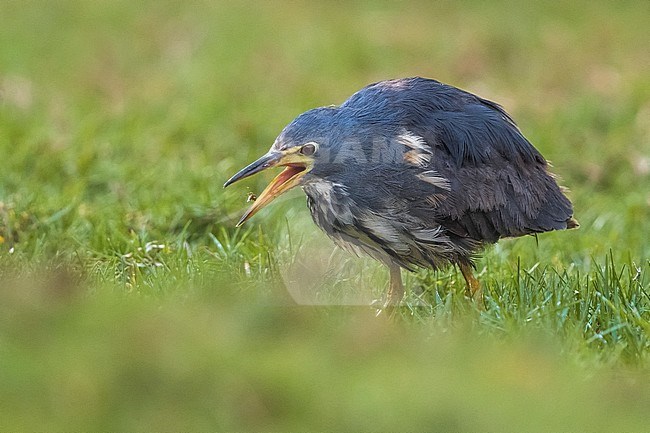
column 295, row 168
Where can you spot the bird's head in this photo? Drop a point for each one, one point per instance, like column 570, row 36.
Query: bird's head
column 298, row 148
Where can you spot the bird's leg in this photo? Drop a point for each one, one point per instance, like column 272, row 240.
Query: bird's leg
column 396, row 288
column 473, row 290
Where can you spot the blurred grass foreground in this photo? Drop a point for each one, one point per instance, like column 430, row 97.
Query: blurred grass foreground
column 129, row 302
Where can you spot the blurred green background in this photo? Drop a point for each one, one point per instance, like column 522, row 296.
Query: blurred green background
column 128, row 300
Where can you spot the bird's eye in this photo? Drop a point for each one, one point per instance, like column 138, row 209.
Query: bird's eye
column 308, row 149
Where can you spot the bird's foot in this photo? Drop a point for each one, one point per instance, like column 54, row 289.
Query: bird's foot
column 395, row 293
column 387, row 305
column 473, row 290
column 476, row 295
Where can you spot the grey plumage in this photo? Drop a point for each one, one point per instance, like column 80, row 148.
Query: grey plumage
column 417, row 173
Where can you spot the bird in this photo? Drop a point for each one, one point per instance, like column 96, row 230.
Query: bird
column 416, row 174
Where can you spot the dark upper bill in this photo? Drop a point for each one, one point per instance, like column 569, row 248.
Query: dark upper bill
column 295, row 168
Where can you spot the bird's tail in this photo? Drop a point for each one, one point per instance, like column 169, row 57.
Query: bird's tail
column 572, row 223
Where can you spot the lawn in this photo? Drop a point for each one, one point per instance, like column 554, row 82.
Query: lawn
column 130, row 302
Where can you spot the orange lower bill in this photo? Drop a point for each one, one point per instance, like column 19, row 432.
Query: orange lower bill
column 287, row 179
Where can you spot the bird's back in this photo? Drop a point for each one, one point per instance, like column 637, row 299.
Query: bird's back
column 464, row 175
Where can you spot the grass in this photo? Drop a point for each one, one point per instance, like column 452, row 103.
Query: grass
column 130, row 302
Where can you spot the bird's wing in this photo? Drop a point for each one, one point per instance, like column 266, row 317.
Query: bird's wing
column 468, row 166
column 490, row 181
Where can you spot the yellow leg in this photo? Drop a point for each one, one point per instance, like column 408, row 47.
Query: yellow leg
column 396, row 288
column 473, row 289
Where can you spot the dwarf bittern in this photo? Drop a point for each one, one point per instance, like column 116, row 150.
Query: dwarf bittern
column 415, row 173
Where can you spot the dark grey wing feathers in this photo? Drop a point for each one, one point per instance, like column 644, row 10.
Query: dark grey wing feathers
column 500, row 184
column 469, row 127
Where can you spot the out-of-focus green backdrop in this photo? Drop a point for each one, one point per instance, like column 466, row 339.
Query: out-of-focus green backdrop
column 128, row 300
